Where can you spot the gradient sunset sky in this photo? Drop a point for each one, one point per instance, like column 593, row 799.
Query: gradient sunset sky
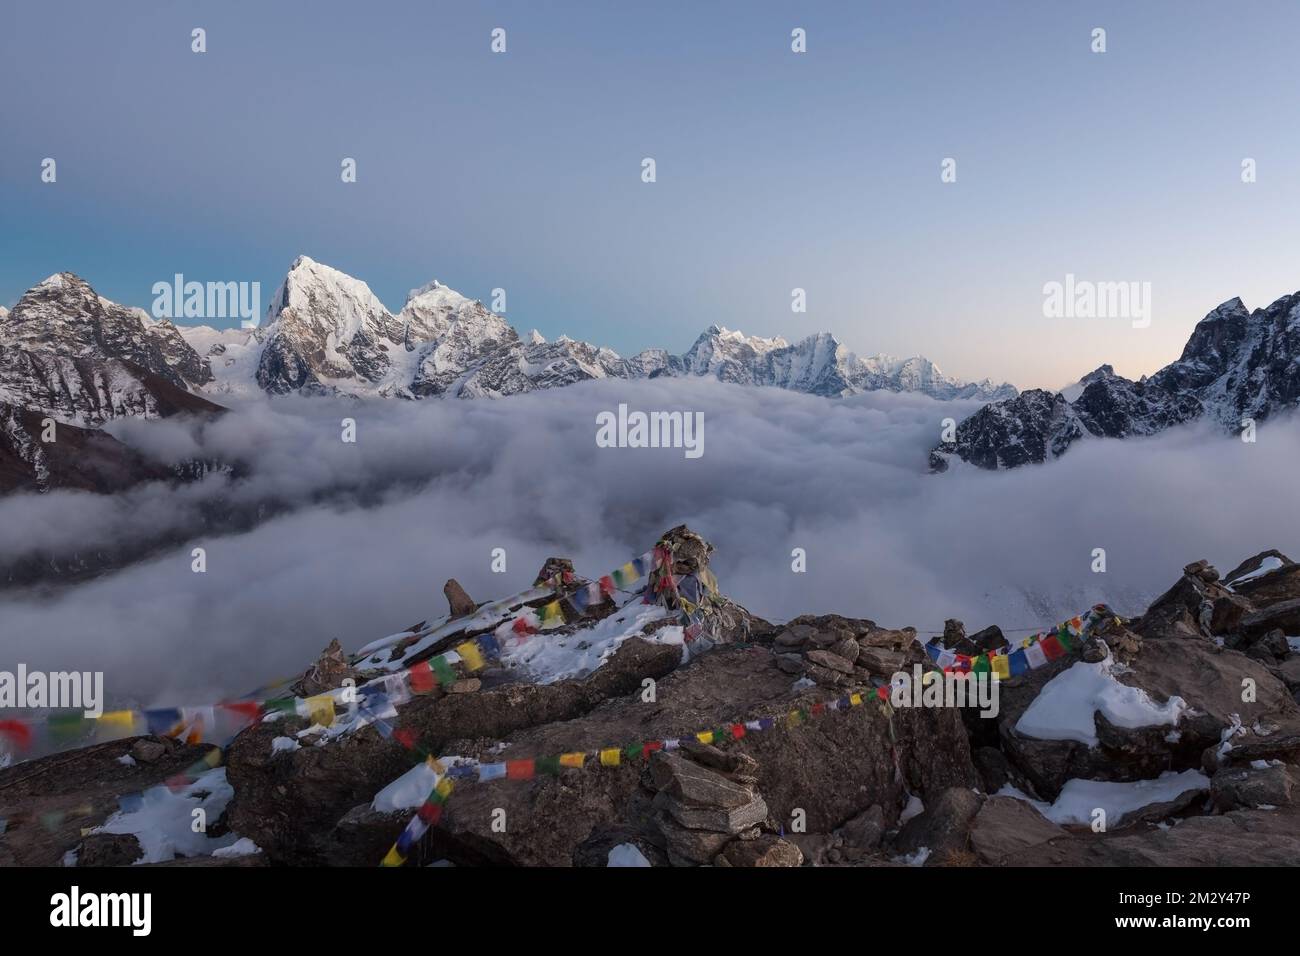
column 775, row 170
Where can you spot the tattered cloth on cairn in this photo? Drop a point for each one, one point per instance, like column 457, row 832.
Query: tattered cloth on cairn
column 682, row 581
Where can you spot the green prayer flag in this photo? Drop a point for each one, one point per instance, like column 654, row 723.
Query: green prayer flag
column 442, row 670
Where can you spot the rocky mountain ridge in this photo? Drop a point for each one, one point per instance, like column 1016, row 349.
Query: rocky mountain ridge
column 1238, row 370
column 874, row 786
column 326, row 332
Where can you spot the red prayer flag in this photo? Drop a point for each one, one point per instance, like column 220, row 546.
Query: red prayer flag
column 18, row 731
column 405, row 737
column 1052, row 648
column 422, row 681
column 737, row 730
column 248, row 709
column 519, row 770
column 430, row 812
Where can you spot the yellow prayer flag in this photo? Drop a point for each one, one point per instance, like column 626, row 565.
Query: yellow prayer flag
column 120, row 719
column 321, row 709
column 609, row 758
column 444, row 787
column 572, row 760
column 1001, row 666
column 470, row 654
column 705, row 736
column 393, row 859
column 855, row 700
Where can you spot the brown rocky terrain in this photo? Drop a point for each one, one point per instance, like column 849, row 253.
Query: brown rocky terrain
column 842, row 787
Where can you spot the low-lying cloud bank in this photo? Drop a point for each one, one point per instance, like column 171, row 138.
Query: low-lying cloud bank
column 430, row 489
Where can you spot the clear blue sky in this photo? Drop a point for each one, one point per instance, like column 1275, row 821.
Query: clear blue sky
column 775, row 170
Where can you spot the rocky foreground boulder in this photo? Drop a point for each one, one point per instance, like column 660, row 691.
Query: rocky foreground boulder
column 836, row 777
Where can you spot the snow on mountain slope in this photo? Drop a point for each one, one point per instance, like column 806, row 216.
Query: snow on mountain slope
column 326, row 332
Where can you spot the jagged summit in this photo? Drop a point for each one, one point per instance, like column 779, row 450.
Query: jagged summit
column 1238, row 368
column 326, row 332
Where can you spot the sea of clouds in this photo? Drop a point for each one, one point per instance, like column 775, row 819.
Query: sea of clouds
column 358, row 539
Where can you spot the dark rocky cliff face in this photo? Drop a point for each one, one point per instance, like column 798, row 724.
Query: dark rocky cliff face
column 1237, row 365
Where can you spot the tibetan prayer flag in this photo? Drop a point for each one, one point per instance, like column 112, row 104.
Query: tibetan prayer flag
column 737, row 731
column 934, row 650
column 705, row 736
column 767, row 723
column 1035, row 656
column 981, row 665
column 248, row 709
column 1052, row 648
column 606, row 585
column 65, row 727
column 18, row 731
column 650, row 747
column 405, row 737
column 393, row 858
column 572, row 760
column 442, row 670
column 629, row 573
column 162, row 721
column 549, row 765
column 1000, row 665
column 119, row 721
column 1063, row 635
column 520, row 769
column 1018, row 662
column 321, row 709
column 421, row 678
column 882, row 693
column 491, row 771
column 855, row 700
column 430, row 813
column 442, row 791
column 552, row 616
column 469, row 653
column 610, row 757
column 793, row 719
column 818, row 708
column 523, row 626
column 632, row 751
column 281, row 705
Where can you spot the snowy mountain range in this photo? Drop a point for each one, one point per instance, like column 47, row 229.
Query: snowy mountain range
column 1238, row 369
column 326, row 332
column 70, row 355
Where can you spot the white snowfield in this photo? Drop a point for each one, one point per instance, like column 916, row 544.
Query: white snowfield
column 1064, row 708
column 1080, row 799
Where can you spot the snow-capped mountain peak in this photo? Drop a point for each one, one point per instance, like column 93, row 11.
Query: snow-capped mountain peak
column 327, row 332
